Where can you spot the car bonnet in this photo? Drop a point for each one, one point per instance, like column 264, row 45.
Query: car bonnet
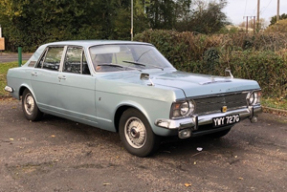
column 195, row 85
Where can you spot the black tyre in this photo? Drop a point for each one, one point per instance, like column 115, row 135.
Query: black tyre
column 29, row 107
column 219, row 134
column 136, row 134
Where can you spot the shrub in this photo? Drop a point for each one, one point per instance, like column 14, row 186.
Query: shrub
column 260, row 57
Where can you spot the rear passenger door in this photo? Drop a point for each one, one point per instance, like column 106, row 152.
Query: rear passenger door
column 77, row 92
column 44, row 78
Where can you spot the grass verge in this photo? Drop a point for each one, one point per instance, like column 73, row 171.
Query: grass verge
column 3, row 72
column 277, row 103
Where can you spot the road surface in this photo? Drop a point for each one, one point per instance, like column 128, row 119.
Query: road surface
column 61, row 155
column 9, row 57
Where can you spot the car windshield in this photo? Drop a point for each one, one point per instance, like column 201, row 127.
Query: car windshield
column 127, row 57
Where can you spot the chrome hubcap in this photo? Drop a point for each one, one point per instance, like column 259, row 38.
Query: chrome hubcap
column 135, row 132
column 29, row 104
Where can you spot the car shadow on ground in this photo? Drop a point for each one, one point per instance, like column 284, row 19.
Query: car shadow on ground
column 169, row 145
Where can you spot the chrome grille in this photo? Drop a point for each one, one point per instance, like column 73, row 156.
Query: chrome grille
column 215, row 103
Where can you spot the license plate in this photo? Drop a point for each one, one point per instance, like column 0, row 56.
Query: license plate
column 226, row 120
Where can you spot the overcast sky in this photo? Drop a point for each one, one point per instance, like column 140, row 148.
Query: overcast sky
column 236, row 9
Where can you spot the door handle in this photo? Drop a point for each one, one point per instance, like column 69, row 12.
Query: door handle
column 34, row 73
column 62, row 77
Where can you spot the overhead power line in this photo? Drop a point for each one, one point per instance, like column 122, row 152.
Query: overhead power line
column 266, row 7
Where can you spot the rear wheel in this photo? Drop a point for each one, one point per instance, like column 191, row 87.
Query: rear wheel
column 136, row 133
column 29, row 107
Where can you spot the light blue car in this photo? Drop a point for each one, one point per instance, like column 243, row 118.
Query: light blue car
column 130, row 88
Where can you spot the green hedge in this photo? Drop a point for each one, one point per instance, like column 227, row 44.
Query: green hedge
column 249, row 57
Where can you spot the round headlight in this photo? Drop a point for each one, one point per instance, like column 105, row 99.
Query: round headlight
column 251, row 99
column 254, row 98
column 184, row 108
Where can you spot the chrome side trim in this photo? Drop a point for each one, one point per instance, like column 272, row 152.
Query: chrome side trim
column 9, row 89
column 214, row 81
column 195, row 121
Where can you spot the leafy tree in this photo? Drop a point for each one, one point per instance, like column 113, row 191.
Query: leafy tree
column 280, row 26
column 274, row 18
column 29, row 23
column 164, row 14
column 205, row 18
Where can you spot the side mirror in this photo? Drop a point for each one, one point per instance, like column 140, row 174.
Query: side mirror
column 229, row 72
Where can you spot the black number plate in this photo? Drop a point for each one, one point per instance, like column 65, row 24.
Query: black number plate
column 226, row 120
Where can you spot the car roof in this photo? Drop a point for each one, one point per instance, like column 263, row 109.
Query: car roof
column 89, row 43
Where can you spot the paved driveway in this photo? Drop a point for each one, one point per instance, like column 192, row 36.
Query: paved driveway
column 60, row 155
column 9, row 57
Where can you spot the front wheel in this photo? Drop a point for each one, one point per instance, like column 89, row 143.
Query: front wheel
column 136, row 134
column 29, row 107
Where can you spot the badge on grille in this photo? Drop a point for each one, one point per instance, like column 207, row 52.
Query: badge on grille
column 224, row 109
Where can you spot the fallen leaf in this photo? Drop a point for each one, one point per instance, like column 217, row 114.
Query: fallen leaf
column 240, row 178
column 53, row 136
column 187, row 184
column 11, row 139
column 194, row 162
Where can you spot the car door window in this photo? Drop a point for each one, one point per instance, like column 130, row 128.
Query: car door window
column 51, row 58
column 75, row 61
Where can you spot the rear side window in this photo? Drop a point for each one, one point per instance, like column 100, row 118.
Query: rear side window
column 51, row 58
column 75, row 61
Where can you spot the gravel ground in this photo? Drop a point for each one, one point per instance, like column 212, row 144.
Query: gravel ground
column 61, row 155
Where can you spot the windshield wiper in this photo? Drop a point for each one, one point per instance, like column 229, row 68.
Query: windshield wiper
column 110, row 65
column 142, row 64
column 116, row 65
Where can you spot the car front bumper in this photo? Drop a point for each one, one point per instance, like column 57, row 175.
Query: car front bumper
column 195, row 121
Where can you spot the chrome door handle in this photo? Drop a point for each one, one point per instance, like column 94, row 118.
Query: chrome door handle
column 62, row 77
column 34, row 74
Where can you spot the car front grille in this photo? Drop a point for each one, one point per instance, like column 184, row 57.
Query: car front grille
column 215, row 103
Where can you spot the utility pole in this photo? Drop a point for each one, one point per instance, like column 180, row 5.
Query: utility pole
column 278, row 9
column 258, row 15
column 254, row 25
column 247, row 22
column 258, row 10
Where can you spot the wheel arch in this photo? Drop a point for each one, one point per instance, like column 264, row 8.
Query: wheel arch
column 22, row 89
column 122, row 108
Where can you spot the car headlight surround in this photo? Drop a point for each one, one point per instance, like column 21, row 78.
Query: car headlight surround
column 182, row 109
column 254, row 98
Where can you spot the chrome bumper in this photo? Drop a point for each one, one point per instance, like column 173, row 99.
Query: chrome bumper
column 195, row 121
column 9, row 89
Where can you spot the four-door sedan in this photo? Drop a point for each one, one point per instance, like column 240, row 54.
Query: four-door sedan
column 130, row 88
